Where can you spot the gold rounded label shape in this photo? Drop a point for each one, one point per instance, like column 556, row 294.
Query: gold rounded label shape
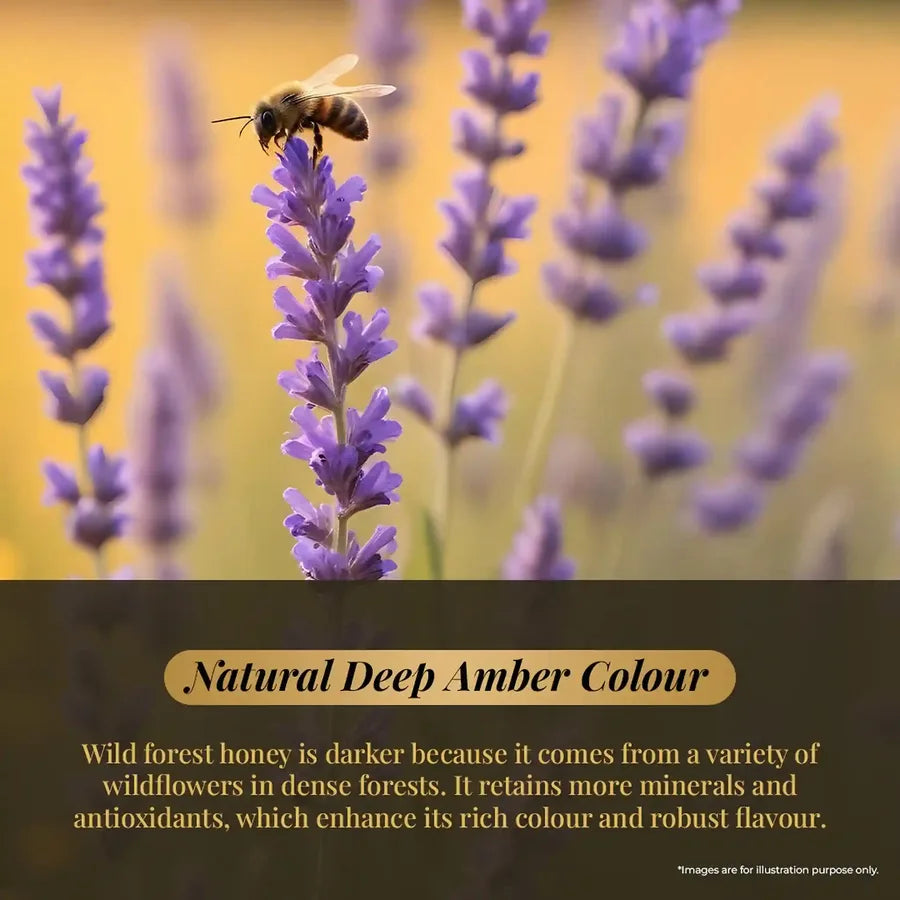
column 450, row 677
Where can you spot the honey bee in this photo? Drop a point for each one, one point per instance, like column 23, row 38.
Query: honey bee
column 315, row 103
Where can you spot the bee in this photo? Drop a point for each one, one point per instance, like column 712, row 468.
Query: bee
column 315, row 103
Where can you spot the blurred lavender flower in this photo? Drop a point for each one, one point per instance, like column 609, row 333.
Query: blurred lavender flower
column 187, row 195
column 178, row 387
column 537, row 549
column 660, row 45
column 338, row 446
column 672, row 392
column 388, row 43
column 186, row 345
column 159, row 462
column 800, row 388
column 801, row 405
column 784, row 326
column 481, row 220
column 727, row 505
column 662, row 448
column 620, row 149
column 737, row 284
column 64, row 207
column 736, row 287
column 181, row 142
column 706, row 335
column 478, row 414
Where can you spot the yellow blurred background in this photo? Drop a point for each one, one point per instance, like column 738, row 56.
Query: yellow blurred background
column 778, row 58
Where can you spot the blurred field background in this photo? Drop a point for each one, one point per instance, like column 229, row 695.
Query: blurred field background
column 779, row 57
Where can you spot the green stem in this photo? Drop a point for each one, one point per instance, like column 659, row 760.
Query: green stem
column 640, row 117
column 546, row 415
column 443, row 494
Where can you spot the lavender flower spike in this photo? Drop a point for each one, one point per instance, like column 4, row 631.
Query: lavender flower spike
column 186, row 343
column 736, row 285
column 480, row 223
column 628, row 143
column 182, row 144
column 735, row 288
column 64, row 207
column 537, row 548
column 388, row 43
column 159, row 464
column 339, row 445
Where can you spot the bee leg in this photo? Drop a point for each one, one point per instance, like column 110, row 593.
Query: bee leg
column 317, row 143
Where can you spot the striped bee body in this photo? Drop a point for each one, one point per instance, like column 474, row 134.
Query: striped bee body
column 342, row 115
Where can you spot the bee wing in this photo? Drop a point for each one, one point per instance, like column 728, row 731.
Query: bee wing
column 337, row 67
column 356, row 90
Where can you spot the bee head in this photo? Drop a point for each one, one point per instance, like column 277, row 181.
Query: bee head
column 265, row 123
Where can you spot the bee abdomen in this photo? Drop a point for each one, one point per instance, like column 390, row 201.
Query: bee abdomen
column 345, row 116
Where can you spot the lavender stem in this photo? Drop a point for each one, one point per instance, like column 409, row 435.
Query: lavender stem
column 546, row 415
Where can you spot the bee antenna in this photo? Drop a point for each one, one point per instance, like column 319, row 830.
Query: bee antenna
column 249, row 120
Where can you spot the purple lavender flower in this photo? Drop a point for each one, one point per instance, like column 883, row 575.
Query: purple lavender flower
column 801, row 405
column 478, row 414
column 412, row 396
column 481, row 221
column 64, row 207
column 178, row 387
column 736, row 286
column 589, row 296
column 388, row 43
column 727, row 505
column 658, row 50
column 370, row 562
column 794, row 191
column 537, row 549
column 662, row 448
column 672, row 392
column 621, row 148
column 804, row 385
column 182, row 145
column 159, row 464
column 338, row 446
column 186, row 345
column 660, row 46
column 784, row 330
column 705, row 335
column 441, row 322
